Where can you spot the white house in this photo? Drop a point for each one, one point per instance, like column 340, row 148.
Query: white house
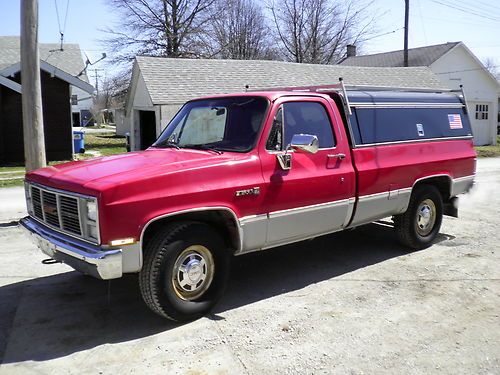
column 454, row 64
column 159, row 86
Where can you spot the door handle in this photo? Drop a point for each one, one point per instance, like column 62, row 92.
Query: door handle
column 340, row 156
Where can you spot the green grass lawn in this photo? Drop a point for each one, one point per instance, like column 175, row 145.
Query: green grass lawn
column 103, row 144
column 489, row 151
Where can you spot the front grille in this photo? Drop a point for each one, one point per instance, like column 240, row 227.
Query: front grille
column 69, row 215
column 60, row 211
column 50, row 208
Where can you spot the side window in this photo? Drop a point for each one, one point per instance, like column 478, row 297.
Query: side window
column 307, row 118
column 275, row 140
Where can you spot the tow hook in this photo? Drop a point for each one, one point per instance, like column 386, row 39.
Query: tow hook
column 50, row 261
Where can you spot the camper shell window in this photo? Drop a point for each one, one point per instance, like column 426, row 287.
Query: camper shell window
column 387, row 117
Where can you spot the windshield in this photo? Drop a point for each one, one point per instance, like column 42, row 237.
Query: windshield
column 224, row 124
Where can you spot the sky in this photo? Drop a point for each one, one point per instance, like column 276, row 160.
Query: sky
column 431, row 22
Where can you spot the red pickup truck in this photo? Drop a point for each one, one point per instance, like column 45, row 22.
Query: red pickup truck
column 237, row 173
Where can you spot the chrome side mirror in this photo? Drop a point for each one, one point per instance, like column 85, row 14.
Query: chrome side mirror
column 305, row 143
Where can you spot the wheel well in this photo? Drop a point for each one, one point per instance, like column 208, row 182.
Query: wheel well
column 221, row 220
column 442, row 183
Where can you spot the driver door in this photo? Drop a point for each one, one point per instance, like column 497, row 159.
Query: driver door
column 314, row 196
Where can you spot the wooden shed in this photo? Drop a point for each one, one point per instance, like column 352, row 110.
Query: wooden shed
column 56, row 103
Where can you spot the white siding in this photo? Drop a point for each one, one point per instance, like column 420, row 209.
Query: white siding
column 459, row 67
column 167, row 112
column 122, row 123
column 82, row 104
column 140, row 102
column 141, row 97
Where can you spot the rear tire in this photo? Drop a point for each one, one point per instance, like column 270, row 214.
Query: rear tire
column 185, row 271
column 418, row 227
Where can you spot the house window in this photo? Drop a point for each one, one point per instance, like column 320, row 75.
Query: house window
column 482, row 111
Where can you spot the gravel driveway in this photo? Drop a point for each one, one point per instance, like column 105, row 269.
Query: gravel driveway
column 349, row 303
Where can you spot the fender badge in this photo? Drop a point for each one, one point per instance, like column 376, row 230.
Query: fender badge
column 252, row 191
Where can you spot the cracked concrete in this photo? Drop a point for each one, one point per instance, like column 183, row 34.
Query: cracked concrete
column 352, row 302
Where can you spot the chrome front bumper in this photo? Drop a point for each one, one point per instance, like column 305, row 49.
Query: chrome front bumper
column 82, row 256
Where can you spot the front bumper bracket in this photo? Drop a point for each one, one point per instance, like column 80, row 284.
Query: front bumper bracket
column 82, row 256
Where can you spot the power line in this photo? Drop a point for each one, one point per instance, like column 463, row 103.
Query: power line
column 422, row 20
column 465, row 10
column 489, row 8
column 453, row 21
column 63, row 29
column 379, row 35
column 474, row 8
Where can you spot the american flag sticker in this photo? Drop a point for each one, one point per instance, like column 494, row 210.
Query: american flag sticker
column 455, row 121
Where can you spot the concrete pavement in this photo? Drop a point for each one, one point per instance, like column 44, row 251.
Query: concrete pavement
column 12, row 204
column 350, row 303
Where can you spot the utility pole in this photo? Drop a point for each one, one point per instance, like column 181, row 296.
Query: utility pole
column 96, row 72
column 34, row 142
column 96, row 82
column 407, row 17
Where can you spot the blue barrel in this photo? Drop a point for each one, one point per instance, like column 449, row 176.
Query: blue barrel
column 78, row 141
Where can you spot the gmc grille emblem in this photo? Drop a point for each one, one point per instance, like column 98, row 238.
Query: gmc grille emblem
column 51, row 210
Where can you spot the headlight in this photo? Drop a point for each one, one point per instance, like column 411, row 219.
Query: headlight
column 92, row 210
column 92, row 231
column 27, row 193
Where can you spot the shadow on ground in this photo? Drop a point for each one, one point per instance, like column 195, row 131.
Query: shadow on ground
column 59, row 315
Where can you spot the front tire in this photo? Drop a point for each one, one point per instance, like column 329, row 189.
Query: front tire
column 185, row 271
column 418, row 227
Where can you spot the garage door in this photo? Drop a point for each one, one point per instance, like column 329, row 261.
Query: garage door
column 481, row 121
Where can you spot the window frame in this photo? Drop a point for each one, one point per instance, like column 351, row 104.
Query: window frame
column 482, row 111
column 259, row 134
column 299, row 100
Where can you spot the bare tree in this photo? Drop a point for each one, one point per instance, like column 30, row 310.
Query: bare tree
column 111, row 95
column 238, row 30
column 490, row 65
column 167, row 28
column 317, row 31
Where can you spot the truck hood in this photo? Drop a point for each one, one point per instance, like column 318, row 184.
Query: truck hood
column 97, row 174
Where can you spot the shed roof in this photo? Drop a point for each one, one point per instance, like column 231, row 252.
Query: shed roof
column 174, row 81
column 10, row 84
column 422, row 56
column 69, row 59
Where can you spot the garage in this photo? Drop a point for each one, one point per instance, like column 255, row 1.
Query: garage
column 160, row 86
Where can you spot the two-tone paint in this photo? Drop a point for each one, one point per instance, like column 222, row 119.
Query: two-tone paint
column 265, row 206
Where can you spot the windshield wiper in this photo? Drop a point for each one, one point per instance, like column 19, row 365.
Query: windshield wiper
column 203, row 147
column 167, row 143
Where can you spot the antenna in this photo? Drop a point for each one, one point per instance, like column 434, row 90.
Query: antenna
column 87, row 63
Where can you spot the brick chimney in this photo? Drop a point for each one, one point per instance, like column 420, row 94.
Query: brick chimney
column 351, row 50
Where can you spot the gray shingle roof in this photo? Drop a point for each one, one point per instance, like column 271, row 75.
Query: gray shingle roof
column 172, row 81
column 70, row 59
column 423, row 56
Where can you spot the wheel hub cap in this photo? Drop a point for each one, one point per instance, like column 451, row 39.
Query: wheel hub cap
column 193, row 272
column 426, row 217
